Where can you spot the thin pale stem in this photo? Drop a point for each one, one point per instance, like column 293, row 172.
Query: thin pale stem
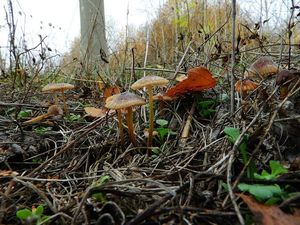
column 65, row 104
column 151, row 117
column 119, row 113
column 55, row 99
column 129, row 122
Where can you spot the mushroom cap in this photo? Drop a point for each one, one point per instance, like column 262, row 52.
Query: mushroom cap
column 245, row 86
column 262, row 67
column 149, row 81
column 285, row 75
column 55, row 110
column 57, row 87
column 124, row 100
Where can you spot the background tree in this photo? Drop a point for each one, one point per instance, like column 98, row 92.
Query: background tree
column 93, row 45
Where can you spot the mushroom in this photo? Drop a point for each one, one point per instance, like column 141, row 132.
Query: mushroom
column 262, row 68
column 125, row 100
column 59, row 87
column 245, row 86
column 285, row 79
column 149, row 82
column 53, row 110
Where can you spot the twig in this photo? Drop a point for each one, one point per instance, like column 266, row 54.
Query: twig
column 187, row 126
column 232, row 106
column 231, row 194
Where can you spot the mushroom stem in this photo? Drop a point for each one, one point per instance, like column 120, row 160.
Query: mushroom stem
column 65, row 104
column 151, row 117
column 129, row 122
column 55, row 99
column 119, row 113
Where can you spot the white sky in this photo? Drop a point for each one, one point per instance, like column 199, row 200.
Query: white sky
column 59, row 19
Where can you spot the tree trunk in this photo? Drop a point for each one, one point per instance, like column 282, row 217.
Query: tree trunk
column 93, row 45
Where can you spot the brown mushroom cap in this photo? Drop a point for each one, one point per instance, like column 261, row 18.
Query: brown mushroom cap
column 124, row 100
column 149, row 81
column 262, row 68
column 285, row 75
column 57, row 87
column 245, row 86
column 55, row 110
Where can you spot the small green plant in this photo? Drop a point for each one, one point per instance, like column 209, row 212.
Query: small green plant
column 42, row 130
column 99, row 196
column 72, row 117
column 162, row 130
column 276, row 170
column 206, row 108
column 33, row 216
column 232, row 135
column 269, row 194
column 24, row 114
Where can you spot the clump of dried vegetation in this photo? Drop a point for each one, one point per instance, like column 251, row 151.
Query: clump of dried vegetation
column 72, row 169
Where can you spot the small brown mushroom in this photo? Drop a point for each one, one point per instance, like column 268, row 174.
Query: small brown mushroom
column 53, row 110
column 149, row 82
column 262, row 68
column 245, row 86
column 286, row 79
column 125, row 100
column 59, row 87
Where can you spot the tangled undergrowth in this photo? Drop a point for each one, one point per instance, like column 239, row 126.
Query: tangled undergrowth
column 72, row 169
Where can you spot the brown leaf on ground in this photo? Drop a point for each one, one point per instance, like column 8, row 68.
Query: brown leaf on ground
column 269, row 215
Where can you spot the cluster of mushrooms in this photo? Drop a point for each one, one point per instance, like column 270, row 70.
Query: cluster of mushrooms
column 127, row 100
column 261, row 69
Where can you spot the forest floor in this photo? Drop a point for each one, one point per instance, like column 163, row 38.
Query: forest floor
column 74, row 170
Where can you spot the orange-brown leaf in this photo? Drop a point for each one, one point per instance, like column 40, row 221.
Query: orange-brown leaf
column 269, row 215
column 198, row 79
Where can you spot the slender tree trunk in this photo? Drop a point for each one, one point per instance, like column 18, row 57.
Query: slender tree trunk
column 93, row 43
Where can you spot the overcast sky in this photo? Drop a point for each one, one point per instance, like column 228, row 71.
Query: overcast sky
column 59, row 19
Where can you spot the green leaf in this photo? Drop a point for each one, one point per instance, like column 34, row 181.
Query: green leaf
column 102, row 180
column 42, row 130
column 162, row 122
column 72, row 117
column 39, row 210
column 232, row 134
column 23, row 214
column 276, row 168
column 261, row 192
column 24, row 114
column 99, row 197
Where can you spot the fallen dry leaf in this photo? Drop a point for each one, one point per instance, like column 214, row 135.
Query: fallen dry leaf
column 269, row 215
column 198, row 79
column 95, row 112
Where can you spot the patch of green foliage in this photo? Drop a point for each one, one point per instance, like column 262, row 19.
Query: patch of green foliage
column 206, row 108
column 72, row 117
column 162, row 130
column 100, row 197
column 24, row 114
column 232, row 135
column 269, row 194
column 42, row 130
column 34, row 216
